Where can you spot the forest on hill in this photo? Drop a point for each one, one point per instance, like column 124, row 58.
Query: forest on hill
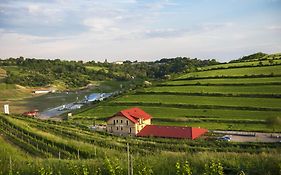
column 41, row 72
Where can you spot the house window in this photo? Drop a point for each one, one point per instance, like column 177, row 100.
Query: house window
column 117, row 128
column 127, row 122
column 121, row 128
column 130, row 130
column 114, row 122
column 121, row 121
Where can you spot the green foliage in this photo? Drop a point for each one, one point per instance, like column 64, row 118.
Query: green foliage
column 142, row 169
column 113, row 167
column 183, row 169
column 252, row 56
column 38, row 72
column 213, row 168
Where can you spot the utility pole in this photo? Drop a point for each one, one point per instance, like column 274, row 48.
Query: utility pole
column 128, row 152
column 132, row 168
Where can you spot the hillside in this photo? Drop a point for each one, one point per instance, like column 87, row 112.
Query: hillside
column 74, row 74
column 234, row 96
column 33, row 146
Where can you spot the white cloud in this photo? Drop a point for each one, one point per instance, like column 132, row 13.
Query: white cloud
column 274, row 27
column 98, row 24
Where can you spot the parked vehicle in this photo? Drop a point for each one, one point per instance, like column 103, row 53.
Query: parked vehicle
column 224, row 138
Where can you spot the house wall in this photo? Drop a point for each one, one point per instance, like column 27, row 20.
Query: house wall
column 121, row 125
column 142, row 124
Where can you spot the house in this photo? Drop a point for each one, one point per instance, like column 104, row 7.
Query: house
column 128, row 122
column 136, row 122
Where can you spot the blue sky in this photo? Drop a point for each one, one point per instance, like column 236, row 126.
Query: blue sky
column 138, row 29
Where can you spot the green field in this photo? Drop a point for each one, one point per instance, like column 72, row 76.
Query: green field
column 102, row 112
column 263, row 89
column 242, row 64
column 202, row 100
column 225, row 81
column 266, row 70
column 97, row 68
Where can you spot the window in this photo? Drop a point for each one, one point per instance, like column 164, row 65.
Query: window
column 121, row 128
column 117, row 128
column 127, row 122
column 114, row 122
column 121, row 121
column 130, row 130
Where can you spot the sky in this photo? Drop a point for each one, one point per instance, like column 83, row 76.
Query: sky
column 142, row 30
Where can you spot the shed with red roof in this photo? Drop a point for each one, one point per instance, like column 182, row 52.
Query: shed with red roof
column 171, row 132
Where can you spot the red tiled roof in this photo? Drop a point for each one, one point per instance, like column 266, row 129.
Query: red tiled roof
column 133, row 114
column 31, row 113
column 171, row 132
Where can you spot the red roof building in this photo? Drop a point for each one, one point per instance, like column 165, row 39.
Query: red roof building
column 171, row 132
column 128, row 121
column 31, row 113
column 136, row 122
column 134, row 114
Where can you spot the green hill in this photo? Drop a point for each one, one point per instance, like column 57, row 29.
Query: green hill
column 32, row 146
column 235, row 96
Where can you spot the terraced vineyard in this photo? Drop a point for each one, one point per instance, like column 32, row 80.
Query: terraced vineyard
column 229, row 98
column 234, row 96
column 31, row 146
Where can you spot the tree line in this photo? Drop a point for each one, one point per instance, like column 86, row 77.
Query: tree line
column 42, row 72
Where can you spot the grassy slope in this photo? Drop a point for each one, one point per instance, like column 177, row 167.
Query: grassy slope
column 265, row 89
column 156, row 158
column 250, row 63
column 205, row 117
column 230, row 81
column 12, row 91
column 267, row 70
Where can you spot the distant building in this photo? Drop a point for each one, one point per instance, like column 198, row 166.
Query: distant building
column 136, row 122
column 118, row 62
column 41, row 91
column 33, row 113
